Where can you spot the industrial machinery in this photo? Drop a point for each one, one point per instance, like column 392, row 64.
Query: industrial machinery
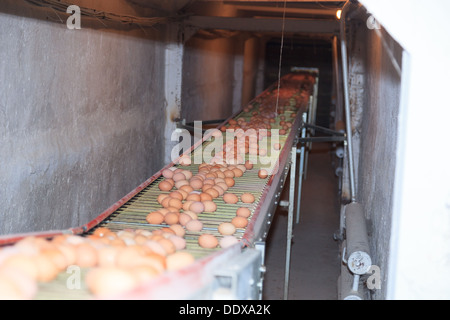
column 232, row 272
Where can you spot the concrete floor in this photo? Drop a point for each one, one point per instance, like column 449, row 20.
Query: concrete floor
column 315, row 266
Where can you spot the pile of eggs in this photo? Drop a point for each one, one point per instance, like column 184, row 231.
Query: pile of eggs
column 187, row 195
column 116, row 262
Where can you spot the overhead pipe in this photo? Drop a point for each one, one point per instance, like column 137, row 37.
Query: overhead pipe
column 356, row 253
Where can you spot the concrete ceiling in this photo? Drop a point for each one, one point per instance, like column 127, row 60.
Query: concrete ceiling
column 294, row 8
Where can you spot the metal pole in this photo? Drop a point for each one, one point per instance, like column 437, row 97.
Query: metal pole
column 347, row 104
column 290, row 220
column 300, row 169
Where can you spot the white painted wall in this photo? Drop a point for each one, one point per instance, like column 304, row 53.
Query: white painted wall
column 419, row 265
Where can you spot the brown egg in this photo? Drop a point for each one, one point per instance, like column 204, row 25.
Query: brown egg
column 192, row 214
column 179, row 260
column 23, row 263
column 168, row 245
column 226, row 228
column 206, row 187
column 165, row 185
column 239, row 222
column 56, row 257
column 171, row 218
column 86, row 255
column 238, row 172
column 179, row 242
column 26, row 286
column 220, row 190
column 184, row 218
column 155, row 247
column 177, row 195
column 166, row 231
column 155, row 217
column 205, row 197
column 9, row 290
column 212, row 192
column 209, row 205
column 152, row 259
column 186, row 188
column 178, row 176
column 262, row 173
column 194, row 225
column 69, row 252
column 188, row 174
column 128, row 256
column 197, row 207
column 144, row 273
column 175, row 203
column 167, row 173
column 247, row 198
column 161, row 197
column 165, row 201
column 183, row 193
column 229, row 182
column 107, row 256
column 277, row 146
column 230, row 198
column 241, row 167
column 220, row 175
column 194, row 197
column 229, row 173
column 187, row 204
column 110, row 281
column 209, row 182
column 243, row 212
column 163, row 211
column 181, row 183
column 228, row 241
column 101, row 231
column 196, row 183
column 185, row 160
column 208, row 241
column 248, row 164
column 178, row 229
column 223, row 186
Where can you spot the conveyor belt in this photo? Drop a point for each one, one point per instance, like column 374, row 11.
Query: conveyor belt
column 131, row 211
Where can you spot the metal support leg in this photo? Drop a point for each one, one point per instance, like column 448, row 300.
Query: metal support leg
column 290, row 220
column 301, row 171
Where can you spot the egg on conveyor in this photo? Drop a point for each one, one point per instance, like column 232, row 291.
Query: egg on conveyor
column 239, row 222
column 179, row 260
column 226, row 228
column 230, row 198
column 228, row 241
column 194, row 225
column 105, row 281
column 247, row 198
column 243, row 212
column 262, row 173
column 208, row 241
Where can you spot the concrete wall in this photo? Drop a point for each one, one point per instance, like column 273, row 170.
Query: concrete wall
column 80, row 120
column 375, row 88
column 398, row 96
column 419, row 260
column 208, row 78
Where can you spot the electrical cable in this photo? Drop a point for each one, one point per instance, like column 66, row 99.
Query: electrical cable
column 281, row 56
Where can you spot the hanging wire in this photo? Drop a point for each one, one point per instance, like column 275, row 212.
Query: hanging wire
column 281, row 56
